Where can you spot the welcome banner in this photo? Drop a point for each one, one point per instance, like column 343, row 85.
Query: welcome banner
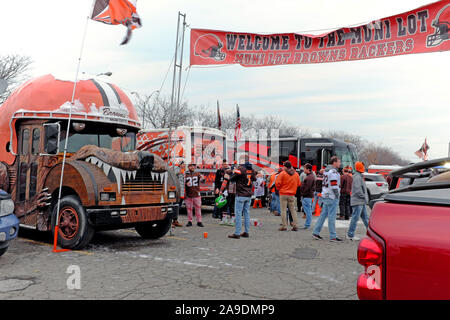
column 426, row 29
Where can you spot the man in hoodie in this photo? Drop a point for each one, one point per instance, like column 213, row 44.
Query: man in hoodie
column 330, row 200
column 287, row 183
column 244, row 176
column 358, row 201
column 307, row 193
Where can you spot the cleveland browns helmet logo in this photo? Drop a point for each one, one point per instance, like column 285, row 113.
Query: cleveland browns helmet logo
column 209, row 46
column 441, row 27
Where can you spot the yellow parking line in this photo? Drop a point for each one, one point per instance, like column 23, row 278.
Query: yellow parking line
column 176, row 238
column 51, row 246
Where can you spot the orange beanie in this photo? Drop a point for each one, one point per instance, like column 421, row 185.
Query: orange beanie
column 359, row 166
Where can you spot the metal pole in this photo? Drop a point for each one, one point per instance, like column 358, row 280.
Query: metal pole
column 175, row 63
column 181, row 60
column 68, row 130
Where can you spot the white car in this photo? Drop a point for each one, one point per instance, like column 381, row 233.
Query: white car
column 376, row 185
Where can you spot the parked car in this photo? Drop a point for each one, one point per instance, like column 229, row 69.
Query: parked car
column 376, row 185
column 406, row 253
column 9, row 224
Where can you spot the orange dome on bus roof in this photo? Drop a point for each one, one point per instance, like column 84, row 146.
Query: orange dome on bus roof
column 49, row 98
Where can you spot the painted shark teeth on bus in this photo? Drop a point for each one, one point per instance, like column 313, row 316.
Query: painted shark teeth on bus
column 121, row 175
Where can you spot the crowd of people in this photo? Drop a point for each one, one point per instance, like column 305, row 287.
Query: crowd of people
column 290, row 192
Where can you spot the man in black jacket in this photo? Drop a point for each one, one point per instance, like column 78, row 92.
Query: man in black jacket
column 244, row 177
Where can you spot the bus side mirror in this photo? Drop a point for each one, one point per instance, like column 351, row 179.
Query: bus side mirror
column 52, row 133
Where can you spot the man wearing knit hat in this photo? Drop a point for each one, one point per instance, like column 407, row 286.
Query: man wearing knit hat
column 358, row 201
column 330, row 193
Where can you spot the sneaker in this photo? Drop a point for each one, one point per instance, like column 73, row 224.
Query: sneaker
column 244, row 235
column 337, row 239
column 234, row 236
column 282, row 229
column 305, row 228
column 353, row 238
column 199, row 224
column 317, row 237
column 294, row 229
column 189, row 224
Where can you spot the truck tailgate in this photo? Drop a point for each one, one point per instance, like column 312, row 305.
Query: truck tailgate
column 417, row 238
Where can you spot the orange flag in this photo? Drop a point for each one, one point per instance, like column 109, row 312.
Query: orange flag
column 117, row 12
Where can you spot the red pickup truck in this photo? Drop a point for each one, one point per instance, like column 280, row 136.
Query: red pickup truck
column 406, row 253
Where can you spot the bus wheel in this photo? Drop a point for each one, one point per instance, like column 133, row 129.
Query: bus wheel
column 153, row 229
column 74, row 230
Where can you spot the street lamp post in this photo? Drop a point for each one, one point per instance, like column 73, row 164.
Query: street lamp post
column 144, row 104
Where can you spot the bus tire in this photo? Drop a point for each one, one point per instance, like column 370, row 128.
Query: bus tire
column 153, row 229
column 74, row 232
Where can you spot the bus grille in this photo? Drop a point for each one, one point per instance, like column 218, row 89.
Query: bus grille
column 143, row 182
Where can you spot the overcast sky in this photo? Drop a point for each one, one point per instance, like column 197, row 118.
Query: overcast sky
column 397, row 100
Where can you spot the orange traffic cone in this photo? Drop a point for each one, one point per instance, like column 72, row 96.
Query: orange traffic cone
column 318, row 208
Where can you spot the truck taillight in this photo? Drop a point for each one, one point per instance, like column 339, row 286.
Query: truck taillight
column 380, row 184
column 370, row 255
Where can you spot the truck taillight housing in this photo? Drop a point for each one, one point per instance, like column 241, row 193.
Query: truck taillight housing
column 370, row 283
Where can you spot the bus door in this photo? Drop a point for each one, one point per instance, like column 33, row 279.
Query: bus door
column 27, row 171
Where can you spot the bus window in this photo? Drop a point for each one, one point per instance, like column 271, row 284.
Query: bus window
column 288, row 148
column 35, row 141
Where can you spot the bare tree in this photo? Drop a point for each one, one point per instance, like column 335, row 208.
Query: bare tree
column 202, row 116
column 13, row 69
column 380, row 154
column 346, row 137
column 158, row 112
column 368, row 152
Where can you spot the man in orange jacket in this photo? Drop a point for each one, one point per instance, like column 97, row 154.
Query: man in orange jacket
column 287, row 183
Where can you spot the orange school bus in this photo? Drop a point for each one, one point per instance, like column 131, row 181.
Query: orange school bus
column 107, row 183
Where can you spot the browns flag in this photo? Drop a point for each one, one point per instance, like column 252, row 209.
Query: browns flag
column 423, row 151
column 117, row 12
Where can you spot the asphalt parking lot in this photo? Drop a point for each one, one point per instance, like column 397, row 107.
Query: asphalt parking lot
column 121, row 265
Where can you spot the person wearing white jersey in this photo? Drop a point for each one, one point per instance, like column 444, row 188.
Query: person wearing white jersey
column 330, row 199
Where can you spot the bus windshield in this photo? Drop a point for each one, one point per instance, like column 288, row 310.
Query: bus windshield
column 347, row 157
column 207, row 149
column 105, row 138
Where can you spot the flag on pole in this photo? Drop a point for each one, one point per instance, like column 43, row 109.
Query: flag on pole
column 218, row 116
column 117, row 12
column 423, row 151
column 237, row 128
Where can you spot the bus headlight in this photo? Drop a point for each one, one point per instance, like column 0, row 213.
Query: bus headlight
column 172, row 194
column 6, row 207
column 107, row 196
